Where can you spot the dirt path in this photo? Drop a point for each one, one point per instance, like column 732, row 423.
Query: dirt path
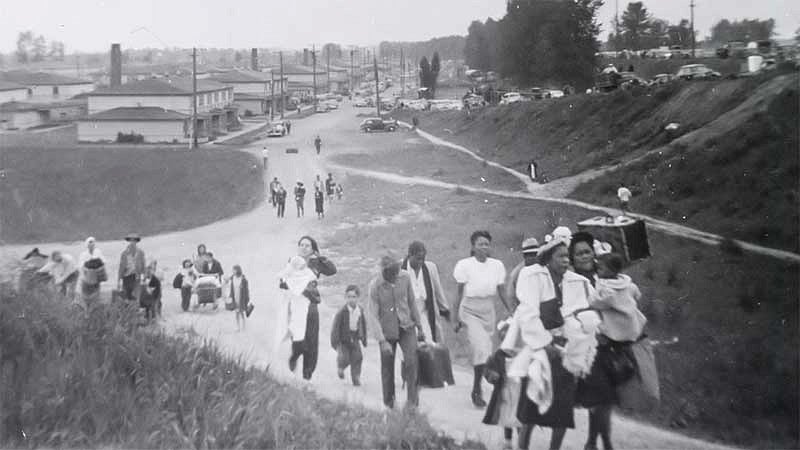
column 557, row 190
column 262, row 243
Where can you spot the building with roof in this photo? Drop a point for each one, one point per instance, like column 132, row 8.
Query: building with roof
column 154, row 124
column 253, row 90
column 216, row 111
column 300, row 78
column 43, row 87
column 12, row 92
column 16, row 115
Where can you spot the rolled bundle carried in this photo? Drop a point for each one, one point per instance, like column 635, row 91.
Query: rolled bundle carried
column 94, row 271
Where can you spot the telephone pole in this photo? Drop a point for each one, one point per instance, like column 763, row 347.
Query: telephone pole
column 691, row 6
column 314, row 73
column 194, row 98
column 352, row 71
column 328, row 68
column 272, row 94
column 283, row 97
column 377, row 92
column 402, row 74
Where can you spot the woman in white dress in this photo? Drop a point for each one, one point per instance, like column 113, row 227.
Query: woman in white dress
column 481, row 279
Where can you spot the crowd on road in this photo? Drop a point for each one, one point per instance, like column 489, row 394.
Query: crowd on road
column 324, row 192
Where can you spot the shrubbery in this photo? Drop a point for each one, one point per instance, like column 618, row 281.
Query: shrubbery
column 129, row 138
column 84, row 379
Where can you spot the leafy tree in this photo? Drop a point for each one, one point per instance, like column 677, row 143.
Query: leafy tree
column 25, row 46
column 39, row 48
column 424, row 72
column 436, row 66
column 636, row 25
column 449, row 47
column 476, row 47
column 745, row 30
column 56, row 51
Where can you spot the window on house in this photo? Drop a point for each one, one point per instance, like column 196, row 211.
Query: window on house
column 201, row 100
column 55, row 90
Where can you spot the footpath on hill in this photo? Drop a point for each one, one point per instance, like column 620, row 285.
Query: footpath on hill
column 557, row 190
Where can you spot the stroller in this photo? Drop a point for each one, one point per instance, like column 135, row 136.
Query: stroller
column 208, row 289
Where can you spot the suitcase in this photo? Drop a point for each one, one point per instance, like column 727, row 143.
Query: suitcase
column 627, row 236
column 292, row 150
column 434, row 367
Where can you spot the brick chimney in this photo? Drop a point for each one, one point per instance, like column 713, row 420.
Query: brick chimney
column 306, row 61
column 116, row 66
column 254, row 59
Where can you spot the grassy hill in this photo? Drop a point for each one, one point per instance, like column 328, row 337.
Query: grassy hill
column 68, row 194
column 748, row 126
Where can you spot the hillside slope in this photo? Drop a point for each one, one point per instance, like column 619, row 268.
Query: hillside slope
column 733, row 117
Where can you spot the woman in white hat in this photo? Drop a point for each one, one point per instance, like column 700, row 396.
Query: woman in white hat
column 549, row 293
column 91, row 264
column 481, row 280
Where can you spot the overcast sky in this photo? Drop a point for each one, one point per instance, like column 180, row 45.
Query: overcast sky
column 91, row 25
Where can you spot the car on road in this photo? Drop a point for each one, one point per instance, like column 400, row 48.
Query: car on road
column 378, row 124
column 662, row 78
column 511, row 97
column 362, row 102
column 697, row 72
column 538, row 93
column 555, row 93
column 276, row 130
column 332, row 104
column 322, row 108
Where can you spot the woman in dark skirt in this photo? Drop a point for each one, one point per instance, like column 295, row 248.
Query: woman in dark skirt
column 596, row 392
column 308, row 249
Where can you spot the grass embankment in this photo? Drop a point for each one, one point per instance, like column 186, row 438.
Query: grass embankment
column 743, row 184
column 732, row 374
column 98, row 380
column 409, row 155
column 68, row 194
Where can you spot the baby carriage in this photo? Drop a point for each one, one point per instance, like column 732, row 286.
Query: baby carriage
column 208, row 289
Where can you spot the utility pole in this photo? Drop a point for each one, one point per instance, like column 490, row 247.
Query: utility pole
column 272, row 94
column 402, row 74
column 194, row 98
column 691, row 6
column 283, row 96
column 616, row 25
column 377, row 92
column 314, row 73
column 352, row 71
column 328, row 68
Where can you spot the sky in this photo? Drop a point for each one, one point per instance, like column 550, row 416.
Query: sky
column 92, row 25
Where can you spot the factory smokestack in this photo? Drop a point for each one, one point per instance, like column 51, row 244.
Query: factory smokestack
column 254, row 59
column 116, row 66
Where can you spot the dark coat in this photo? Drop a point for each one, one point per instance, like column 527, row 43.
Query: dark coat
column 245, row 287
column 340, row 332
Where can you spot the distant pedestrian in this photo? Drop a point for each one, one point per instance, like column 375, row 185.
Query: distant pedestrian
column 533, row 169
column 339, row 191
column 330, row 187
column 265, row 156
column 318, row 144
column 150, row 293
column 280, row 197
column 348, row 334
column 318, row 184
column 300, row 198
column 288, row 127
column 64, row 272
column 624, row 195
column 240, row 296
column 319, row 198
column 131, row 267
column 415, row 122
column 273, row 189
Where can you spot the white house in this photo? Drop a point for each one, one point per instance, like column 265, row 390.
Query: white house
column 47, row 87
column 153, row 123
column 12, row 92
column 252, row 90
column 300, row 79
column 216, row 111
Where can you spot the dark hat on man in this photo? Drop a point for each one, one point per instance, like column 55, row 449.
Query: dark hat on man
column 34, row 254
column 133, row 237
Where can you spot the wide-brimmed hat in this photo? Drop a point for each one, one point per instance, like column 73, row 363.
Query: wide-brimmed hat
column 552, row 243
column 133, row 237
column 530, row 246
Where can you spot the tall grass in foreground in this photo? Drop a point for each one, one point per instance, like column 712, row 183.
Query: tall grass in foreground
column 89, row 379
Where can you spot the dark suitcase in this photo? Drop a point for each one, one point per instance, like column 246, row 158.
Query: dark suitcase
column 627, row 236
column 292, row 150
column 434, row 367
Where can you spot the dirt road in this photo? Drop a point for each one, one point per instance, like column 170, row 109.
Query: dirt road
column 261, row 243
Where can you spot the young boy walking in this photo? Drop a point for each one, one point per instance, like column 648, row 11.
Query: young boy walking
column 349, row 332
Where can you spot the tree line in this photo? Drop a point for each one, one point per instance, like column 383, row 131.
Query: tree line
column 34, row 48
column 538, row 42
column 638, row 29
column 448, row 47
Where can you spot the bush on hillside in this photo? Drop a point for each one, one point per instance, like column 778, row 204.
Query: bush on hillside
column 96, row 379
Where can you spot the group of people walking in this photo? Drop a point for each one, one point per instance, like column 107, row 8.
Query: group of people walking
column 322, row 189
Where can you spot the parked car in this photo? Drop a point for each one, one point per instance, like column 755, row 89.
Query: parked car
column 662, row 78
column 555, row 93
column 511, row 97
column 697, row 72
column 538, row 93
column 276, row 130
column 676, row 51
column 360, row 102
column 733, row 49
column 332, row 104
column 322, row 108
column 378, row 124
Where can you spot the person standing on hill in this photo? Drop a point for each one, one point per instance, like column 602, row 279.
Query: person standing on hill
column 273, row 190
column 280, row 197
column 330, row 187
column 319, row 199
column 265, row 156
column 318, row 144
column 300, row 198
column 131, row 267
column 624, row 195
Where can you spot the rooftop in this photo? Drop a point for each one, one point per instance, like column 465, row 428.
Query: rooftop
column 9, row 86
column 26, row 78
column 241, row 76
column 161, row 86
column 141, row 113
column 299, row 69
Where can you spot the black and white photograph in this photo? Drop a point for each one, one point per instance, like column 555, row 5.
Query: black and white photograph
column 532, row 224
